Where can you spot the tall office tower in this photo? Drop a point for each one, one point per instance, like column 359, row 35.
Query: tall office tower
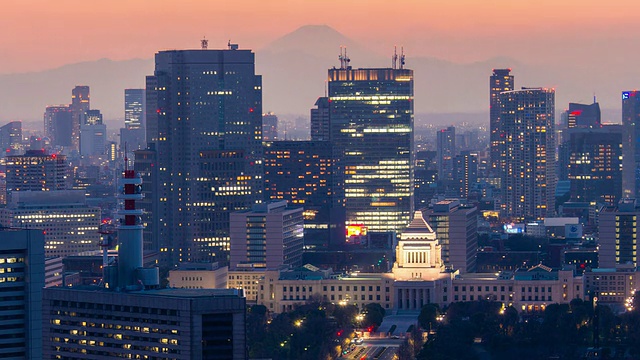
column 146, row 165
column 501, row 80
column 528, row 178
column 594, row 165
column 70, row 225
column 132, row 136
column 269, row 127
column 267, row 236
column 21, row 283
column 11, row 138
column 631, row 143
column 372, row 137
column 206, row 123
column 93, row 134
column 584, row 116
column 80, row 104
column 456, row 228
column 36, row 171
column 446, row 148
column 465, row 173
column 619, row 231
column 134, row 108
column 91, row 117
column 320, row 120
column 301, row 172
column 58, row 125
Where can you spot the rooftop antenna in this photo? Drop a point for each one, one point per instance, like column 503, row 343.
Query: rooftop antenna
column 594, row 98
column 204, row 43
column 402, row 57
column 394, row 58
column 344, row 59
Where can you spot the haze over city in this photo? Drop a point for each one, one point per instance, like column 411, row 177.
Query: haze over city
column 577, row 47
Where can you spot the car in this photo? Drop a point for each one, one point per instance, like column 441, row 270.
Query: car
column 358, row 341
column 395, row 337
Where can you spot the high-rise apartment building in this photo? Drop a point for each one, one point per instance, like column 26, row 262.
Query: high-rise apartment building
column 205, row 118
column 528, row 176
column 619, row 232
column 465, row 173
column 269, row 127
column 320, row 130
column 21, row 283
column 58, row 125
column 501, row 80
column 371, row 117
column 446, row 149
column 80, row 104
column 268, row 236
column 301, row 172
column 631, row 142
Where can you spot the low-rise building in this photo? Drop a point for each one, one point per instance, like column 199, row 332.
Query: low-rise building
column 199, row 276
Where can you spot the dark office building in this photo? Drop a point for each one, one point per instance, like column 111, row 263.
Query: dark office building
column 204, row 115
column 320, row 120
column 371, row 116
column 631, row 142
column 10, row 138
column 501, row 80
column 269, row 127
column 21, row 283
column 583, row 116
column 446, row 148
column 147, row 166
column 58, row 125
column 301, row 172
column 593, row 163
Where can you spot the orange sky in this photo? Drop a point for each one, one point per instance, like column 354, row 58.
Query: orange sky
column 42, row 34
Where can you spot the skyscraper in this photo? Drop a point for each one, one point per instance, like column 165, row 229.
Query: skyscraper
column 80, row 104
column 58, row 125
column 37, row 171
column 501, row 80
column 21, row 283
column 619, row 232
column 446, row 148
column 465, row 173
column 371, row 116
column 205, row 118
column 93, row 134
column 594, row 165
column 584, row 116
column 320, row 120
column 134, row 108
column 528, row 176
column 631, row 144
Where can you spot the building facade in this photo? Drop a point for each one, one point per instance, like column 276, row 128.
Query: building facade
column 22, row 277
column 267, row 236
column 36, row 171
column 11, row 138
column 371, row 130
column 528, row 175
column 320, row 123
column 269, row 127
column 631, row 142
column 58, row 125
column 80, row 104
column 446, row 148
column 207, row 103
column 301, row 172
column 619, row 232
column 69, row 224
column 500, row 81
column 199, row 276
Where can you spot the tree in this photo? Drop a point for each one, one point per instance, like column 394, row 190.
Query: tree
column 428, row 315
column 373, row 315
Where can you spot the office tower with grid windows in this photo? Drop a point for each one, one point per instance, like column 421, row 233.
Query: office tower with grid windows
column 501, row 80
column 371, row 130
column 204, row 115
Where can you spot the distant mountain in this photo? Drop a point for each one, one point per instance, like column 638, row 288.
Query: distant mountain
column 294, row 69
column 25, row 96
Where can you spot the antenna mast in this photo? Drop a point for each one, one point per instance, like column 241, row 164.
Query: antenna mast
column 402, row 57
column 204, row 43
column 394, row 58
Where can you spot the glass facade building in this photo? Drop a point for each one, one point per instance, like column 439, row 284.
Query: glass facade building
column 501, row 80
column 631, row 144
column 371, row 129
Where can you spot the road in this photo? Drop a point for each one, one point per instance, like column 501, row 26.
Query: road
column 378, row 349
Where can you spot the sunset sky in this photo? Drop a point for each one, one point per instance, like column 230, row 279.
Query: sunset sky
column 43, row 34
